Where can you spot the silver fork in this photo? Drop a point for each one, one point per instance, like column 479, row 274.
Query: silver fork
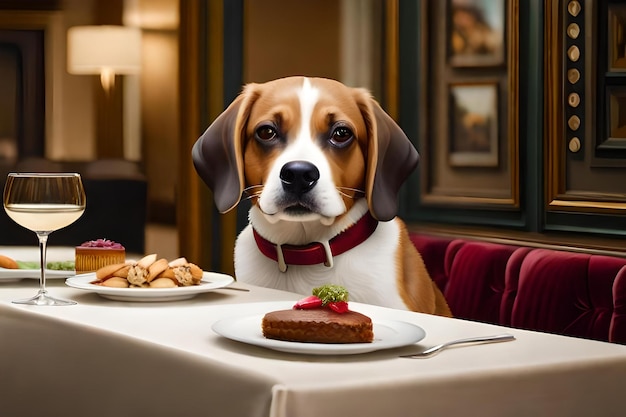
column 472, row 340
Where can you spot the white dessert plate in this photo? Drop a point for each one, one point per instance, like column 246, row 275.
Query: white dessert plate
column 16, row 274
column 210, row 281
column 387, row 334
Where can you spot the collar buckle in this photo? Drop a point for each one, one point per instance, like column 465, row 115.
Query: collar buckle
column 329, row 254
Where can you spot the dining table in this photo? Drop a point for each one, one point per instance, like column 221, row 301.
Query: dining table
column 163, row 357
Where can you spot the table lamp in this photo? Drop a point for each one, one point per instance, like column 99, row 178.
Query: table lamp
column 105, row 50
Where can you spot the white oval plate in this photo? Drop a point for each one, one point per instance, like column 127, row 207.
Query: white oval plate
column 210, row 281
column 387, row 334
column 16, row 274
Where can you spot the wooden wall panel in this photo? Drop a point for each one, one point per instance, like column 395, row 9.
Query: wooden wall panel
column 579, row 178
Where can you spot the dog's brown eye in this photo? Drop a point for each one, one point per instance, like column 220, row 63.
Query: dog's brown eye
column 266, row 133
column 341, row 136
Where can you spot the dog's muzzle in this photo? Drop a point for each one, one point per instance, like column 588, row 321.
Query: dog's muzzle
column 299, row 177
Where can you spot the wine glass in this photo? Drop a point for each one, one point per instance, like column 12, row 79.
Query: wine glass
column 44, row 203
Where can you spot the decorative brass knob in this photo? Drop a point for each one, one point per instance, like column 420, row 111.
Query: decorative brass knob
column 574, row 8
column 573, row 53
column 573, row 76
column 574, row 122
column 573, row 30
column 574, row 145
column 573, row 99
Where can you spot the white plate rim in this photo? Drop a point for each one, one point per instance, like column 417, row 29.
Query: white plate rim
column 388, row 334
column 210, row 281
column 13, row 274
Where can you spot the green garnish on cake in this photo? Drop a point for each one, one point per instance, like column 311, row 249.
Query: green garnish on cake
column 331, row 293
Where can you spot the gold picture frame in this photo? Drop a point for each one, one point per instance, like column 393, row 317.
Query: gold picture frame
column 617, row 37
column 474, row 124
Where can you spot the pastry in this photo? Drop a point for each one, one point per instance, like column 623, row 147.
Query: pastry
column 95, row 254
column 183, row 272
column 321, row 318
column 150, row 272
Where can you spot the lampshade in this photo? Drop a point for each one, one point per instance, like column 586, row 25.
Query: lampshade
column 105, row 50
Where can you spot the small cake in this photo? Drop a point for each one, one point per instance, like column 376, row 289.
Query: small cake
column 319, row 325
column 94, row 254
column 323, row 317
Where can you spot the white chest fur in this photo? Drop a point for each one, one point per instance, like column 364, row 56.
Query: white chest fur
column 368, row 271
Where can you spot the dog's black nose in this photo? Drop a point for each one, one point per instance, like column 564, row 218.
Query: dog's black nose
column 299, row 177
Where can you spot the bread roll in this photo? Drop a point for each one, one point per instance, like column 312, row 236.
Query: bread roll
column 109, row 271
column 115, row 282
column 156, row 268
column 6, row 262
column 163, row 283
column 123, row 272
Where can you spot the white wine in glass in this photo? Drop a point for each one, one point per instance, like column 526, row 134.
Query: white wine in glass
column 44, row 203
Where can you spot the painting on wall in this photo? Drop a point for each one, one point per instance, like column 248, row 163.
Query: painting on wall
column 473, row 125
column 610, row 139
column 617, row 37
column 617, row 113
column 476, row 32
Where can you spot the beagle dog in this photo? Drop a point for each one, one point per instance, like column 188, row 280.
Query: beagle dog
column 322, row 164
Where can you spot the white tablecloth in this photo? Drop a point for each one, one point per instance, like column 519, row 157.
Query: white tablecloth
column 111, row 358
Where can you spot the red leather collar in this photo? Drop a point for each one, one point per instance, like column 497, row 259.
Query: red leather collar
column 315, row 253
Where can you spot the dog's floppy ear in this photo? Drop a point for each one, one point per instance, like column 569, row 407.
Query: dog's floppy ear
column 391, row 157
column 218, row 154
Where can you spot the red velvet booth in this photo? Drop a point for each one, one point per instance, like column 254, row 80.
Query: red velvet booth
column 574, row 294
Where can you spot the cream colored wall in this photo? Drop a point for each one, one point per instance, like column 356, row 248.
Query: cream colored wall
column 70, row 133
column 337, row 39
column 160, row 99
column 158, row 95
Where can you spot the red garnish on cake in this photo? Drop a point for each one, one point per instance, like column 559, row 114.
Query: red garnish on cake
column 102, row 243
column 311, row 301
column 334, row 297
column 339, row 306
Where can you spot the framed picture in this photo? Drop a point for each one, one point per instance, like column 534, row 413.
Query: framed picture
column 616, row 119
column 617, row 37
column 473, row 125
column 476, row 32
column 611, row 140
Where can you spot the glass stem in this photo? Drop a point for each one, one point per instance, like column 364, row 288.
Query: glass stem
column 43, row 242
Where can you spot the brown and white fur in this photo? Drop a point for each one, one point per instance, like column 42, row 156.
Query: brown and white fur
column 358, row 158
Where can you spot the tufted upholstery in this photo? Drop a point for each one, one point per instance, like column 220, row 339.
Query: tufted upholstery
column 574, row 294
column 568, row 293
column 487, row 283
column 433, row 249
column 511, row 279
column 617, row 330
